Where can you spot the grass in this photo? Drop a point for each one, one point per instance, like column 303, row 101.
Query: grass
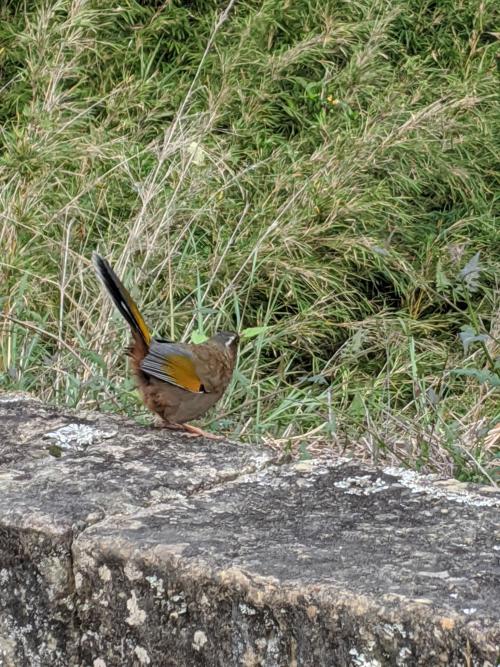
column 325, row 173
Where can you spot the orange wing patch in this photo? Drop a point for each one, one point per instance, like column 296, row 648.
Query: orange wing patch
column 172, row 363
column 181, row 371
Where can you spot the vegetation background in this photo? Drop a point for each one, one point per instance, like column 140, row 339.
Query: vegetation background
column 320, row 173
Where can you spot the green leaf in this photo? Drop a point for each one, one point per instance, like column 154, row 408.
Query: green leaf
column 316, row 379
column 442, row 281
column 252, row 332
column 357, row 407
column 357, row 341
column 471, row 272
column 482, row 376
column 469, row 336
column 198, row 337
column 96, row 359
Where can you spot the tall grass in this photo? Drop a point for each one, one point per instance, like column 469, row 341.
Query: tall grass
column 324, row 171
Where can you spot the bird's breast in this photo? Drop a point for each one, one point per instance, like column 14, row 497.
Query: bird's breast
column 177, row 405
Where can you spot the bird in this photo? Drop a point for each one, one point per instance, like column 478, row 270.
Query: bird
column 177, row 381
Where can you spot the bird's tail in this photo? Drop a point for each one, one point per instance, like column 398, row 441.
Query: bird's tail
column 122, row 299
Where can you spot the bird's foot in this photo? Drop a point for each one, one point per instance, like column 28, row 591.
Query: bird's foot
column 191, row 431
column 195, row 432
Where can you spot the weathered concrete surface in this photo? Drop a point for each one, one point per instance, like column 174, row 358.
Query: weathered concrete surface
column 146, row 548
column 99, row 466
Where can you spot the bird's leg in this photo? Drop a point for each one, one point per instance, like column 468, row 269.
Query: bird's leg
column 190, row 431
column 195, row 432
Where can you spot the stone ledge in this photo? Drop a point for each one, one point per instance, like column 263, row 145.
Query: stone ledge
column 133, row 546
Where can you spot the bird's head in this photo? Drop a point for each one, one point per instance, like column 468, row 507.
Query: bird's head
column 227, row 340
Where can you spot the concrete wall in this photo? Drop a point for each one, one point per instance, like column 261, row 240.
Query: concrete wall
column 122, row 545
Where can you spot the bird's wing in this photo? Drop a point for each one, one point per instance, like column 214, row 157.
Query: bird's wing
column 172, row 363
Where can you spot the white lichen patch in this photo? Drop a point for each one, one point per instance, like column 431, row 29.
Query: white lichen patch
column 132, row 572
column 77, row 436
column 16, row 398
column 180, row 606
column 87, row 561
column 78, row 580
column 105, row 573
column 362, row 485
column 163, row 495
column 403, row 656
column 360, row 660
column 427, row 484
column 393, row 629
column 469, row 611
column 156, row 584
column 99, row 662
column 199, row 640
column 246, row 610
column 142, row 655
column 136, row 616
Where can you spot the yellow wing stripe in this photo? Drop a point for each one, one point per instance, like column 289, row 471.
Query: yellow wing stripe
column 182, row 372
column 139, row 319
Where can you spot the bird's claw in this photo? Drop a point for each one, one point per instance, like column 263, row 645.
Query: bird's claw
column 192, row 431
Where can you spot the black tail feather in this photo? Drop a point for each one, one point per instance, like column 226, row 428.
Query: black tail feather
column 121, row 298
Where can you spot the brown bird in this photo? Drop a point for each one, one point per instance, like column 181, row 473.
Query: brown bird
column 177, row 381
